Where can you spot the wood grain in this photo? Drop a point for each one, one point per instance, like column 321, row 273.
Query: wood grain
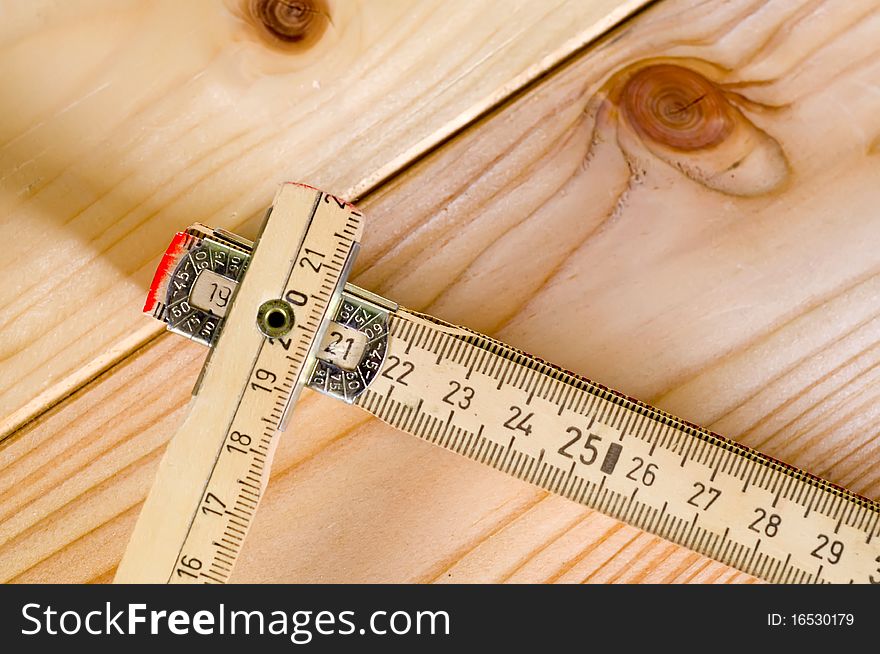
column 750, row 304
column 129, row 120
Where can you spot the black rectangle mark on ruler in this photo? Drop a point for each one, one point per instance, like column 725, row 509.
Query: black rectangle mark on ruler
column 611, row 457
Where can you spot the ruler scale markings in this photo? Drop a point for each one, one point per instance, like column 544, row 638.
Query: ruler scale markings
column 528, row 464
column 589, row 404
column 579, row 489
column 717, row 459
column 859, row 519
column 666, row 529
column 641, row 426
column 509, row 453
column 834, row 512
column 738, row 466
column 803, row 494
column 702, row 455
column 504, row 377
column 496, row 453
column 651, row 435
column 569, row 481
column 497, row 370
column 478, row 439
column 550, row 478
column 748, row 472
column 519, row 373
column 689, row 443
column 558, row 389
column 559, row 392
column 765, row 477
column 662, row 438
column 534, row 385
column 678, row 442
column 780, row 486
column 457, row 441
column 479, row 455
column 600, row 415
column 563, row 401
column 875, row 531
column 597, row 491
column 692, row 525
column 707, row 538
column 559, row 478
column 518, row 465
column 730, row 461
column 816, row 500
column 864, row 520
column 844, row 515
column 462, row 353
column 486, row 359
column 573, row 486
column 826, row 498
column 870, row 529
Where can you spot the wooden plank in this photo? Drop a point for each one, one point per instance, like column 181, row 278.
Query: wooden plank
column 132, row 120
column 755, row 313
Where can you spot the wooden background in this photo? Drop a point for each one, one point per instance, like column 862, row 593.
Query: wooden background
column 682, row 204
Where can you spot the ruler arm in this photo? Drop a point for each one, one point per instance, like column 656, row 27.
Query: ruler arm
column 566, row 434
column 216, row 466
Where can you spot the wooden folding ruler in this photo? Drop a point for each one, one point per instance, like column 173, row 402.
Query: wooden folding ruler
column 278, row 315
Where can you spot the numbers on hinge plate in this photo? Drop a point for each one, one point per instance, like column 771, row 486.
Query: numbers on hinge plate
column 220, row 294
column 336, row 340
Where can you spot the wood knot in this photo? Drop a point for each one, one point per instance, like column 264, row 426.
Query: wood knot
column 676, row 110
column 676, row 107
column 289, row 24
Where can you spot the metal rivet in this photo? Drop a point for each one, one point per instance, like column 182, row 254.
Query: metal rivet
column 275, row 318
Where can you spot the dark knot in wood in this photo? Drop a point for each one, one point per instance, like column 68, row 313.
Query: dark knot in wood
column 681, row 112
column 289, row 24
column 677, row 107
